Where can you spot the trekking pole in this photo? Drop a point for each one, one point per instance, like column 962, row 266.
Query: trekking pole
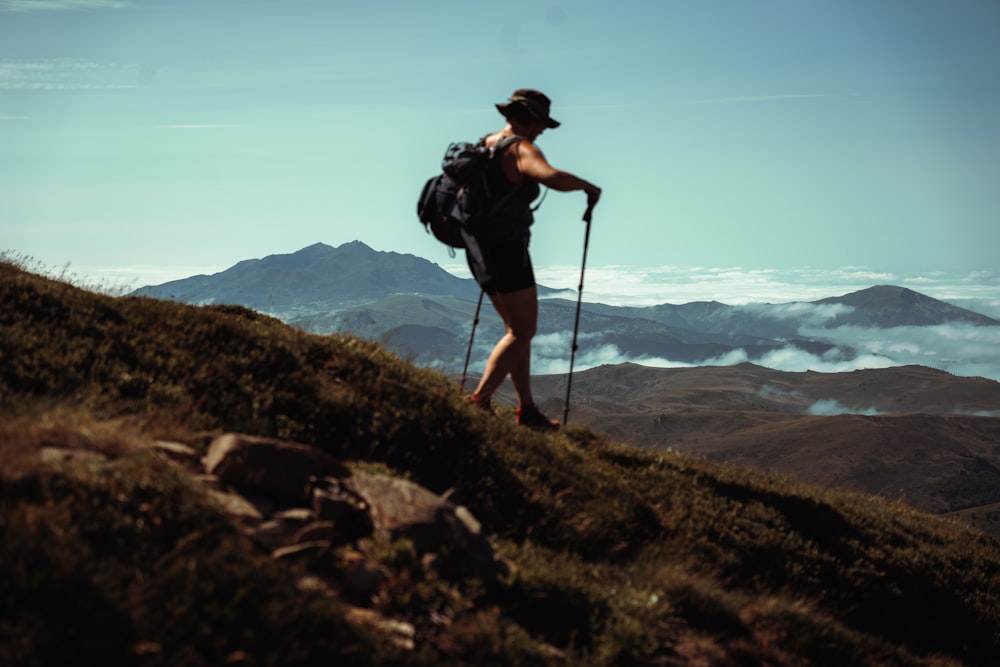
column 468, row 353
column 587, row 215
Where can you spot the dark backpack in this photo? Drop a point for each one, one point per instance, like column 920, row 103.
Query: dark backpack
column 460, row 195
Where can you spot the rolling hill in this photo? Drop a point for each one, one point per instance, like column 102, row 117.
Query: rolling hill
column 118, row 549
column 910, row 434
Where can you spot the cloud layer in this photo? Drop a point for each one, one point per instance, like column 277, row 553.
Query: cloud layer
column 647, row 286
column 959, row 349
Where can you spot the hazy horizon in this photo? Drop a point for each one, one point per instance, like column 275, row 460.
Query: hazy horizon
column 640, row 285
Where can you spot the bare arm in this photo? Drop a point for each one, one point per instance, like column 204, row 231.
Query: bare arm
column 531, row 163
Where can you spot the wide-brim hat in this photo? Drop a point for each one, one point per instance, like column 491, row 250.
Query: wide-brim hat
column 534, row 102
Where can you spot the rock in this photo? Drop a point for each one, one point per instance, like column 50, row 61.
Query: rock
column 312, row 584
column 470, row 522
column 399, row 633
column 209, row 481
column 280, row 530
column 345, row 508
column 316, row 531
column 331, row 501
column 235, row 505
column 401, row 509
column 309, row 553
column 301, row 514
column 269, row 465
column 178, row 452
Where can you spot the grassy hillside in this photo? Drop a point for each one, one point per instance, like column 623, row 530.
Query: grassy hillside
column 619, row 557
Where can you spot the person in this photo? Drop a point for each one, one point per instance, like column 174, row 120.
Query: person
column 497, row 248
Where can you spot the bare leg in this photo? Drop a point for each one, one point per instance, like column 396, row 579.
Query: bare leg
column 512, row 354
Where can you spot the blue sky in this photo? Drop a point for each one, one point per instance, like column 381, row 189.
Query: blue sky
column 152, row 140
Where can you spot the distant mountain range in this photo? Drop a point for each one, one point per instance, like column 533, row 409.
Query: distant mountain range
column 416, row 308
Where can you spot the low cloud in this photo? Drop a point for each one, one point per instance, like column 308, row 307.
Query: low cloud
column 551, row 353
column 957, row 348
column 734, row 286
column 769, row 392
column 832, row 407
column 961, row 350
column 939, row 347
column 795, row 360
column 808, row 314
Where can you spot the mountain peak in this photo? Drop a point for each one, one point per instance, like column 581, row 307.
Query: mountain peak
column 355, row 246
column 315, row 248
column 887, row 292
column 322, row 251
column 318, row 278
column 891, row 305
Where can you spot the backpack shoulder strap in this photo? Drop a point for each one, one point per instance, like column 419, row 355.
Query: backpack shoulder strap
column 510, row 139
column 498, row 147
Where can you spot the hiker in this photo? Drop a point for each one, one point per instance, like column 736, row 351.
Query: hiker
column 497, row 252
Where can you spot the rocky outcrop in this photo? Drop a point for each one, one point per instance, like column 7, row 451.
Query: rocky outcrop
column 304, row 508
column 391, row 509
column 301, row 506
column 268, row 465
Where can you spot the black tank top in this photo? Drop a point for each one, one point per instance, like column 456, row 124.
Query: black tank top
column 513, row 218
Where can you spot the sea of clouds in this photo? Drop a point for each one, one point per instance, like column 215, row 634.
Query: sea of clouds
column 958, row 348
column 636, row 286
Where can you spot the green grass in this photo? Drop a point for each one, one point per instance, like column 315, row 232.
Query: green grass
column 620, row 557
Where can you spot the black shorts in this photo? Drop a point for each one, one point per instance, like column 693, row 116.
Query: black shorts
column 500, row 266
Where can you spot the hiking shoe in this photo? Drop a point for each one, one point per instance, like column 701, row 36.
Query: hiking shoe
column 530, row 416
column 482, row 403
